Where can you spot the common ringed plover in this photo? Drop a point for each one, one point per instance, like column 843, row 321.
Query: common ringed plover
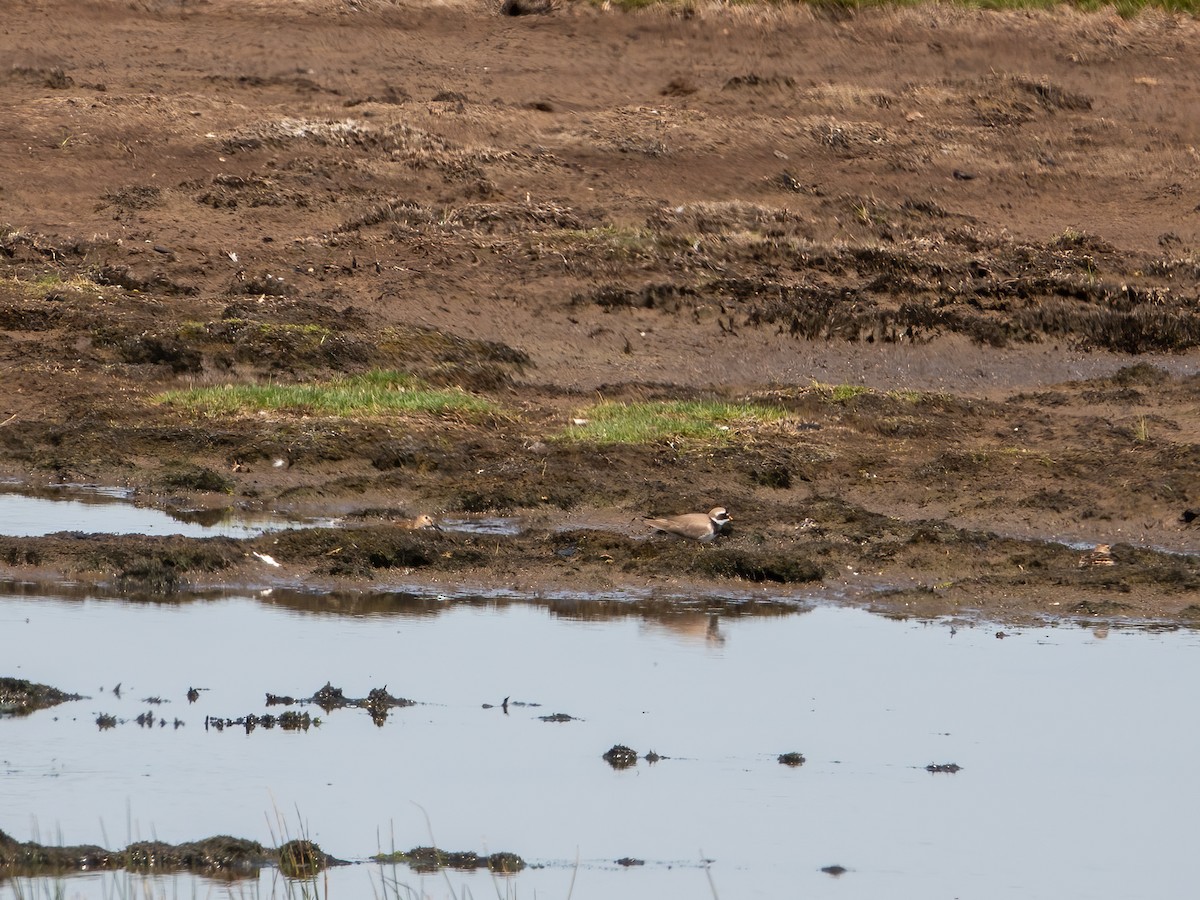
column 697, row 526
column 419, row 523
column 1100, row 556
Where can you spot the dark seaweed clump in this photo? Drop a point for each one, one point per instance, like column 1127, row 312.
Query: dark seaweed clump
column 430, row 859
column 19, row 697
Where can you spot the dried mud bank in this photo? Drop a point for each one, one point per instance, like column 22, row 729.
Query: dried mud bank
column 963, row 264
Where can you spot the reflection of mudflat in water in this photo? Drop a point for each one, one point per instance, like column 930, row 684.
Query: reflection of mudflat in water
column 1066, row 738
column 109, row 511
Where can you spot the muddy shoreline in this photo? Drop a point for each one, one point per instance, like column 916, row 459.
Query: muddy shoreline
column 935, row 259
column 921, row 569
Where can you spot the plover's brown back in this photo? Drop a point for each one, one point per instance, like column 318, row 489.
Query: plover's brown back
column 694, row 526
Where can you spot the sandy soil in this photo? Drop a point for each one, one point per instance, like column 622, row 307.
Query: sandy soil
column 988, row 219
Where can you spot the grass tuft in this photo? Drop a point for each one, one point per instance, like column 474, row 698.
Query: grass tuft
column 645, row 423
column 840, row 393
column 375, row 393
column 1124, row 8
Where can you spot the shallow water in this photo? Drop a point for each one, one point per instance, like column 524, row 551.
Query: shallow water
column 1076, row 752
column 110, row 511
column 483, row 525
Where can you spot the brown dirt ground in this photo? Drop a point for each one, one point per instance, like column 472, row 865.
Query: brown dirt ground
column 987, row 218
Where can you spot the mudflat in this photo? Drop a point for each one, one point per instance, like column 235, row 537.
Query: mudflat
column 953, row 250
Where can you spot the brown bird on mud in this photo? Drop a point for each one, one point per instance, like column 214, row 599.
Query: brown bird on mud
column 697, row 526
column 419, row 523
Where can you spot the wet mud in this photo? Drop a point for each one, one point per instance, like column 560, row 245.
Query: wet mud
column 981, row 323
column 919, row 567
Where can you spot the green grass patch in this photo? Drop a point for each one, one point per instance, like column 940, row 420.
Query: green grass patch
column 53, row 285
column 1124, row 8
column 840, row 393
column 843, row 393
column 646, row 423
column 271, row 331
column 377, row 393
column 267, row 329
